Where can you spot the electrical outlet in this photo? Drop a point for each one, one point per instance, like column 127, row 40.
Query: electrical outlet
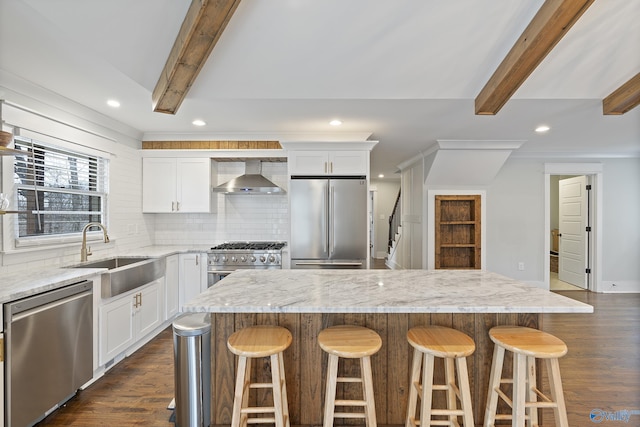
column 521, row 266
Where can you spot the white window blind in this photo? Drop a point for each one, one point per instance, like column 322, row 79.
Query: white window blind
column 58, row 190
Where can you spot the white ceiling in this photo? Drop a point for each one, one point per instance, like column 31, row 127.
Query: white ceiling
column 404, row 71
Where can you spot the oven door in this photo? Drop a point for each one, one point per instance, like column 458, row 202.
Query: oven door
column 214, row 277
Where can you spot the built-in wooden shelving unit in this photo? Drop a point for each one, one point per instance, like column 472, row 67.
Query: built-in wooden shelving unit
column 457, row 232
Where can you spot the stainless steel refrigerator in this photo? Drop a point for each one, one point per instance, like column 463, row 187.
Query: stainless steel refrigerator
column 328, row 222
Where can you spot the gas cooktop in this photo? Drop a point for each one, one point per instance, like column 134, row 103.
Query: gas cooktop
column 249, row 246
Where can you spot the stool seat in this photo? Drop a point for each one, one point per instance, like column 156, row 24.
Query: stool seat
column 259, row 341
column 351, row 342
column 528, row 341
column 441, row 342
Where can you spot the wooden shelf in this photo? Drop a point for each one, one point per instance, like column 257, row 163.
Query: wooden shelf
column 457, row 232
column 12, row 212
column 443, row 223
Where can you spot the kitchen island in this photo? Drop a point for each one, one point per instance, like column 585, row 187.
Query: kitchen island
column 387, row 301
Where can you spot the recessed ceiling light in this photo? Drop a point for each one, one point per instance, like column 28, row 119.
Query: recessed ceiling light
column 335, row 122
column 198, row 122
column 542, row 129
column 113, row 103
column 381, row 176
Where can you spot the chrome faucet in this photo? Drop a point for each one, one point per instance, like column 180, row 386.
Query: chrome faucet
column 84, row 251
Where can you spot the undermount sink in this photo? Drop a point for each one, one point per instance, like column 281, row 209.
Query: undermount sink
column 125, row 273
column 111, row 263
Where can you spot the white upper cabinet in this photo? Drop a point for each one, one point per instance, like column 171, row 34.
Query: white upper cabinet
column 329, row 162
column 176, row 185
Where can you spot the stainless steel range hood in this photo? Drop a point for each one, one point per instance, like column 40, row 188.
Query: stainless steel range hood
column 252, row 182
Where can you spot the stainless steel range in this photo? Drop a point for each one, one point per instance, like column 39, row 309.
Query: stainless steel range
column 228, row 257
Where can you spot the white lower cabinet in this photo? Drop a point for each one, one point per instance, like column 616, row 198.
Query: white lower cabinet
column 129, row 317
column 193, row 276
column 172, row 287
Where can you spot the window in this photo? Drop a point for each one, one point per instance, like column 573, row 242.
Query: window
column 58, row 191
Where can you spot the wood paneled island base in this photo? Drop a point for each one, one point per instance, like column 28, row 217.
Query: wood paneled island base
column 387, row 301
column 306, row 364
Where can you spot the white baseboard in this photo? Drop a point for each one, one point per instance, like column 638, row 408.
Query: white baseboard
column 620, row 286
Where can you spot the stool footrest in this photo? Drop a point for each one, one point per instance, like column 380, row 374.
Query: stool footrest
column 261, row 420
column 350, row 403
column 504, row 397
column 258, row 410
column 261, row 385
column 349, row 380
column 447, row 412
column 348, row 415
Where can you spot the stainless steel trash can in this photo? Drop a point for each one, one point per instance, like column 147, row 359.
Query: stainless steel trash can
column 192, row 365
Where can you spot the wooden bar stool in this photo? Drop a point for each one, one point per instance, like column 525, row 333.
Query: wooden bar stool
column 351, row 342
column 254, row 342
column 526, row 344
column 430, row 342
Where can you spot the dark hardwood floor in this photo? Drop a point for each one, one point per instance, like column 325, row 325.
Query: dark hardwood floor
column 601, row 371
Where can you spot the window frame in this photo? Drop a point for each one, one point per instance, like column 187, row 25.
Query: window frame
column 101, row 190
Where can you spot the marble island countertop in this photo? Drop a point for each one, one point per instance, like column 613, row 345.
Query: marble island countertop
column 378, row 291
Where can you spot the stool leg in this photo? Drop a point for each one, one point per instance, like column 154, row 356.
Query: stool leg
column 427, row 390
column 413, row 388
column 555, row 382
column 494, row 383
column 240, row 398
column 465, row 391
column 285, row 399
column 450, row 381
column 519, row 389
column 330, row 393
column 531, row 394
column 276, row 382
column 367, row 389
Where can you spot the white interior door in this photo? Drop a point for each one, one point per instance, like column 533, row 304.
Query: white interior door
column 573, row 206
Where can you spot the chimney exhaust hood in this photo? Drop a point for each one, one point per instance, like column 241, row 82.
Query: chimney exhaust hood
column 252, row 182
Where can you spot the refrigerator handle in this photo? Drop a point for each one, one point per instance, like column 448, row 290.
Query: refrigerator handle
column 331, row 218
column 326, row 209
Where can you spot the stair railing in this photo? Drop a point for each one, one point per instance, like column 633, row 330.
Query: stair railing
column 394, row 222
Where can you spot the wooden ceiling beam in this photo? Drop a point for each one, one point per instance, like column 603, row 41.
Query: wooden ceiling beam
column 200, row 31
column 623, row 99
column 545, row 30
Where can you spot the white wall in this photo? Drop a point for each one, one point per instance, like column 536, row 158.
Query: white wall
column 516, row 231
column 621, row 225
column 515, row 221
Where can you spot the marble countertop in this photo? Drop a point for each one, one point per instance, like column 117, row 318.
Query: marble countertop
column 22, row 284
column 378, row 291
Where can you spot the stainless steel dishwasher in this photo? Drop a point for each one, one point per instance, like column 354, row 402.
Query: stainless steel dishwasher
column 49, row 351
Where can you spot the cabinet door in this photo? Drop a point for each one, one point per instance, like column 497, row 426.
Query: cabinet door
column 194, row 185
column 116, row 327
column 349, row 163
column 149, row 312
column 172, row 282
column 158, row 185
column 191, row 268
column 308, row 163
